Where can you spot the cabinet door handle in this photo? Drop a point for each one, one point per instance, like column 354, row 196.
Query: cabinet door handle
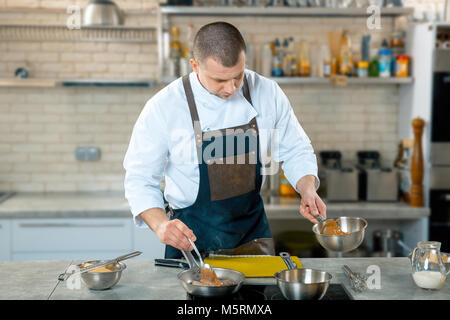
column 69, row 225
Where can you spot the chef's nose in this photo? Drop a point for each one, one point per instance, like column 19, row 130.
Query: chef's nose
column 230, row 87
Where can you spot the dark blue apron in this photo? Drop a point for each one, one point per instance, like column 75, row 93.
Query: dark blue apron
column 228, row 212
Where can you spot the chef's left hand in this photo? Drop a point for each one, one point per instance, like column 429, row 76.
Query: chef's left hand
column 310, row 205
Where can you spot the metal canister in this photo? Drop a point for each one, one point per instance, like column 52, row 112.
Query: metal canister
column 385, row 243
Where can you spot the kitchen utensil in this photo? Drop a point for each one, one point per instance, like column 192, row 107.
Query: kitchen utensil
column 320, row 219
column 357, row 281
column 428, row 269
column 287, row 259
column 102, row 13
column 343, row 243
column 102, row 280
column 173, row 263
column 98, row 264
column 302, row 284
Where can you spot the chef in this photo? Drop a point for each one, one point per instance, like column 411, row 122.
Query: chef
column 208, row 134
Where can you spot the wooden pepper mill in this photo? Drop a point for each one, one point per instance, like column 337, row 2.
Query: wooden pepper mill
column 416, row 191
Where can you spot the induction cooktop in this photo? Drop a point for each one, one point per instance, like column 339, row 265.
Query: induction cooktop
column 271, row 292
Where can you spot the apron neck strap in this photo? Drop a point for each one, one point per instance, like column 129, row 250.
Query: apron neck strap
column 191, row 101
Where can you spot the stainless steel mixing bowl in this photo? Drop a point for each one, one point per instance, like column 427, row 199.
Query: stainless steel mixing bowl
column 102, row 280
column 303, row 284
column 188, row 276
column 344, row 243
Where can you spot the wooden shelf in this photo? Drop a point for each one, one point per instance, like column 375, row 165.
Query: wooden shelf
column 279, row 11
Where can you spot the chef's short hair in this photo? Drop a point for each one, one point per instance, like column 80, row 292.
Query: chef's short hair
column 221, row 41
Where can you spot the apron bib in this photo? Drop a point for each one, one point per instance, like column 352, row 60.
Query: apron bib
column 228, row 212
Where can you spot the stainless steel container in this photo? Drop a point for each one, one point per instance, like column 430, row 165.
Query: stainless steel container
column 102, row 13
column 382, row 184
column 385, row 243
column 102, row 280
column 343, row 243
column 303, row 284
column 376, row 183
column 340, row 184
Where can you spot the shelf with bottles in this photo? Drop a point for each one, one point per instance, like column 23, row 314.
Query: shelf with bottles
column 279, row 11
column 337, row 62
column 348, row 80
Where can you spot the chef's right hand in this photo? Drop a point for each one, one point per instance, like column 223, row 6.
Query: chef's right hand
column 175, row 233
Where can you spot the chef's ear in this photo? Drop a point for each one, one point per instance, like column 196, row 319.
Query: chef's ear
column 194, row 65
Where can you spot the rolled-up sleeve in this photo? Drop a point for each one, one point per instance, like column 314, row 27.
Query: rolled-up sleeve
column 144, row 162
column 294, row 146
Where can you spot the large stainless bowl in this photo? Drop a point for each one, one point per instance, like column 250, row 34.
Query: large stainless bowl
column 188, row 276
column 344, row 243
column 102, row 280
column 303, row 284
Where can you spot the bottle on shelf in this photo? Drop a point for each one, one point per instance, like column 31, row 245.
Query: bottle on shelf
column 303, row 59
column 266, row 61
column 286, row 190
column 290, row 61
column 373, row 65
column 325, row 69
column 176, row 53
column 250, row 55
column 384, row 62
column 345, row 55
column 277, row 62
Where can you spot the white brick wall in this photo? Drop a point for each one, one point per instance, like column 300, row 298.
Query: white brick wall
column 41, row 127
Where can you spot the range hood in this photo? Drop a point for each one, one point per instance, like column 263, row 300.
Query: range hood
column 102, row 13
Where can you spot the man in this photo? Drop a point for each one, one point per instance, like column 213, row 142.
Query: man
column 186, row 133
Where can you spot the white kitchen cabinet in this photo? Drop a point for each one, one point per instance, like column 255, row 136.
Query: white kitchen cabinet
column 5, row 240
column 43, row 239
column 146, row 241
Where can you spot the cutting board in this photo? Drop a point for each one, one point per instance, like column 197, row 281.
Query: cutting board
column 251, row 266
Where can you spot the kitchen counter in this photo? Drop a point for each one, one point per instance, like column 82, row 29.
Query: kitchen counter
column 114, row 205
column 142, row 280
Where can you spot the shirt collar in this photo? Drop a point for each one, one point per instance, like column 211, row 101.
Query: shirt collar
column 205, row 96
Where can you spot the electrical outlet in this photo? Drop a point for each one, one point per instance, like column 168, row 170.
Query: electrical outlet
column 80, row 153
column 93, row 153
column 87, row 153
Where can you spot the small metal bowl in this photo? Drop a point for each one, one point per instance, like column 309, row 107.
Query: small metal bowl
column 343, row 243
column 187, row 277
column 102, row 280
column 303, row 284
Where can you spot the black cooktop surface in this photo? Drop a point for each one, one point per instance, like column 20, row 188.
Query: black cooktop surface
column 271, row 292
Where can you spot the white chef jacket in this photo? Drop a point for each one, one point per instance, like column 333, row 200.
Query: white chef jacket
column 162, row 143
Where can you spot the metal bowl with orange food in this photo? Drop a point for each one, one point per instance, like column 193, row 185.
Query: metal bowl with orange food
column 353, row 234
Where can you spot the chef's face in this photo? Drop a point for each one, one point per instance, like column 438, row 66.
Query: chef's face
column 217, row 79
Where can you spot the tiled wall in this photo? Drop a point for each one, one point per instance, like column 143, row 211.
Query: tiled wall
column 41, row 127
